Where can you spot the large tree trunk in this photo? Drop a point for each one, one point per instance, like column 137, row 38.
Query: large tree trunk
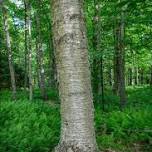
column 77, row 130
column 40, row 58
column 10, row 59
column 120, row 60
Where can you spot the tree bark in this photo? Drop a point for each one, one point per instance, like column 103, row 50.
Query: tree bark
column 8, row 45
column 115, row 63
column 137, row 76
column 52, row 64
column 98, row 64
column 120, row 60
column 130, row 76
column 141, row 76
column 95, row 66
column 40, row 59
column 26, row 49
column 110, row 76
column 99, row 49
column 70, row 42
column 151, row 76
column 29, row 48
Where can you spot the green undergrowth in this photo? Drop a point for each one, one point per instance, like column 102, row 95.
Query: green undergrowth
column 122, row 131
column 28, row 126
column 35, row 126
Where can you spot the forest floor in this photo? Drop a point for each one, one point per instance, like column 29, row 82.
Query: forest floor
column 35, row 127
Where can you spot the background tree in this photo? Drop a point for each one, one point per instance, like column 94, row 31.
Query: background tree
column 29, row 47
column 40, row 59
column 119, row 59
column 8, row 45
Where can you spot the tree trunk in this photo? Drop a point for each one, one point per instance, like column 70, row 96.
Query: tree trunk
column 120, row 60
column 101, row 83
column 29, row 49
column 26, row 49
column 52, row 65
column 110, row 80
column 40, row 58
column 126, row 78
column 115, row 64
column 70, row 42
column 130, row 77
column 151, row 76
column 134, row 76
column 10, row 58
column 98, row 67
column 95, row 66
column 141, row 76
column 137, row 77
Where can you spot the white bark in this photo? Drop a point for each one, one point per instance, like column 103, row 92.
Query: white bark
column 40, row 58
column 27, row 3
column 77, row 130
column 8, row 45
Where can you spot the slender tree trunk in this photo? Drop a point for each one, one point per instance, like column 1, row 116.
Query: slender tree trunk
column 26, row 49
column 130, row 77
column 120, row 60
column 151, row 76
column 40, row 58
column 98, row 76
column 38, row 68
column 29, row 48
column 115, row 85
column 110, row 76
column 126, row 78
column 115, row 63
column 8, row 45
column 70, row 42
column 137, row 76
column 101, row 83
column 133, row 67
column 53, row 71
column 95, row 63
column 52, row 66
column 142, row 76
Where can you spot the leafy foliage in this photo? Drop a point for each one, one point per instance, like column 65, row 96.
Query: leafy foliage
column 35, row 126
column 28, row 127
